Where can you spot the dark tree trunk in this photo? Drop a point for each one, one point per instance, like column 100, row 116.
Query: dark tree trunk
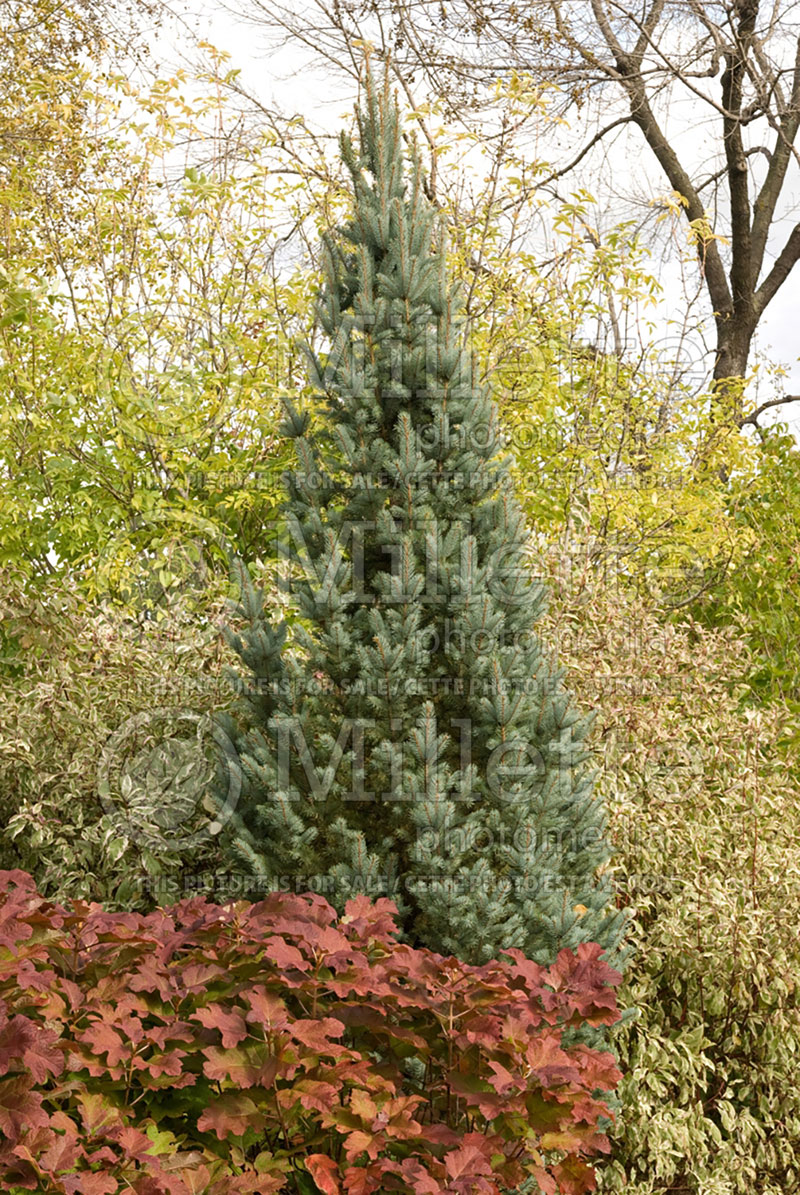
column 734, row 338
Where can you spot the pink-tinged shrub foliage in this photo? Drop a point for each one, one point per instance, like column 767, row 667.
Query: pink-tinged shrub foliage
column 201, row 1050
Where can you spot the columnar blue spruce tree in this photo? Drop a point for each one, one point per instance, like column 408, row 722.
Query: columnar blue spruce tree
column 412, row 741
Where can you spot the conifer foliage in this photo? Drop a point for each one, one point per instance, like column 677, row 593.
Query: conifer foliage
column 411, row 738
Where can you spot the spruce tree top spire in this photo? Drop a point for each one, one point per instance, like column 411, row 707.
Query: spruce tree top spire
column 417, row 744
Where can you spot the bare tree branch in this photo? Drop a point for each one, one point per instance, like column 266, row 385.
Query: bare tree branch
column 739, row 59
column 767, row 199
column 783, row 266
column 598, row 137
column 752, row 418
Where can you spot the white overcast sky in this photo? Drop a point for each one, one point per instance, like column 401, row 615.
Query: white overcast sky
column 285, row 82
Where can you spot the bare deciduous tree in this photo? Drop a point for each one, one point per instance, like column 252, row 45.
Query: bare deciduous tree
column 627, row 62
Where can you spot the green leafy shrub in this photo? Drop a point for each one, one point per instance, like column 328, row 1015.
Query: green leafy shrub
column 701, row 791
column 276, row 1047
column 760, row 594
column 72, row 679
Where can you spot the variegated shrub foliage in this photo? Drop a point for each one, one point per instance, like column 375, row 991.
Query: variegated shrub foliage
column 701, row 785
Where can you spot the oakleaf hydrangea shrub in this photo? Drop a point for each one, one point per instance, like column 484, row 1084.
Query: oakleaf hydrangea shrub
column 279, row 1046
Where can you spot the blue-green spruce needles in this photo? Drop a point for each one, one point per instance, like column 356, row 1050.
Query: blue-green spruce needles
column 409, row 739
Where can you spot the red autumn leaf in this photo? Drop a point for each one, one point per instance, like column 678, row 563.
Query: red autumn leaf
column 30, row 1145
column 96, row 1157
column 593, row 951
column 587, row 979
column 489, row 1104
column 21, row 1175
column 158, row 1065
column 317, row 1034
column 574, row 1176
column 193, row 1182
column 195, row 978
column 24, row 1044
column 13, row 929
column 502, row 1080
column 551, row 1064
column 545, row 1181
column 533, row 973
column 18, row 884
column 377, row 918
column 396, row 1119
column 315, row 1095
column 420, row 1179
column 471, row 1159
column 88, row 1183
column 20, row 1107
column 15, row 1037
column 173, row 1031
column 565, row 1139
column 326, row 939
column 232, row 1112
column 252, row 1065
column 358, row 1142
column 324, row 1172
column 97, row 1111
column 361, row 1016
column 267, row 1009
column 135, row 1143
column 363, row 1105
column 586, row 1108
column 250, row 1184
column 175, row 1161
column 441, row 1134
column 285, row 956
column 73, row 992
column 599, row 1070
column 152, row 976
column 230, row 1023
column 119, row 1016
column 64, row 1150
column 103, row 1038
column 359, row 1180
